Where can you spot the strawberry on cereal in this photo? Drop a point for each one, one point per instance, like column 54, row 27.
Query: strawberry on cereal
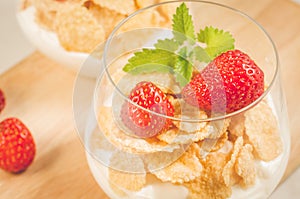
column 125, row 141
column 233, row 67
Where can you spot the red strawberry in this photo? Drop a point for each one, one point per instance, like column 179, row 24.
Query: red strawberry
column 2, row 101
column 141, row 122
column 230, row 82
column 17, row 148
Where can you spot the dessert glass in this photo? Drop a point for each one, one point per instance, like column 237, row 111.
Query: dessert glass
column 242, row 154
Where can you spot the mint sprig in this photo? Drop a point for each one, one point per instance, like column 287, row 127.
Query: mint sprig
column 177, row 55
column 150, row 60
column 183, row 26
column 183, row 68
column 201, row 55
column 167, row 44
column 217, row 41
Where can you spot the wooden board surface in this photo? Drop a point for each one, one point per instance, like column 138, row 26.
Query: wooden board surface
column 39, row 92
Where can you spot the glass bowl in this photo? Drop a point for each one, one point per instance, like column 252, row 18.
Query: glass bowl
column 200, row 154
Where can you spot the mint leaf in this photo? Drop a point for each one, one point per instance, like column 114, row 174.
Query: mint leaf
column 183, row 27
column 149, row 60
column 183, row 71
column 183, row 52
column 201, row 55
column 167, row 44
column 150, row 67
column 217, row 41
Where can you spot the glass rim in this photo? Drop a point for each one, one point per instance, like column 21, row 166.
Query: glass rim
column 209, row 119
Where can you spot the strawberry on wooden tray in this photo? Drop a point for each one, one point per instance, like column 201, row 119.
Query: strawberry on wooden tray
column 17, row 147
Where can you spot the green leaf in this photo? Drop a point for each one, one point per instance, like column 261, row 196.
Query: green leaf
column 217, row 41
column 149, row 68
column 183, row 69
column 183, row 52
column 149, row 60
column 201, row 55
column 167, row 44
column 183, row 27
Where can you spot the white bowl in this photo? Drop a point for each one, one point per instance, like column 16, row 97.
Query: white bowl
column 47, row 42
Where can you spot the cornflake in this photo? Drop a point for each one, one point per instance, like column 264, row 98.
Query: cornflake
column 185, row 111
column 185, row 169
column 176, row 136
column 104, row 17
column 212, row 145
column 218, row 128
column 159, row 160
column 46, row 11
column 147, row 18
column 262, row 131
column 245, row 166
column 127, row 162
column 237, row 125
column 98, row 141
column 229, row 174
column 126, row 142
column 124, row 7
column 168, row 9
column 145, row 3
column 127, row 171
column 77, row 29
column 210, row 184
column 185, row 132
column 50, row 5
column 128, row 181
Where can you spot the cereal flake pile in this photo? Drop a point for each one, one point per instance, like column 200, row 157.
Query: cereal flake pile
column 81, row 25
column 218, row 156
